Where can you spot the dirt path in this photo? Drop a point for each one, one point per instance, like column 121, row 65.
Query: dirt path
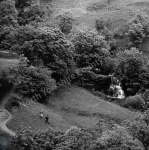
column 5, row 116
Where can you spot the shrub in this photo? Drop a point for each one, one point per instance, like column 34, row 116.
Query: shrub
column 93, row 81
column 96, row 6
column 65, row 22
column 13, row 101
column 135, row 102
column 139, row 129
column 96, row 138
column 5, row 84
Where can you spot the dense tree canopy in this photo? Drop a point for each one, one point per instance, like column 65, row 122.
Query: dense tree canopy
column 46, row 44
column 8, row 14
column 89, row 47
column 131, row 69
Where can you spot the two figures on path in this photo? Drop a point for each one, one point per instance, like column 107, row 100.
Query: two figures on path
column 42, row 116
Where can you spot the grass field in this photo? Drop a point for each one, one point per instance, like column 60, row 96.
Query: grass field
column 118, row 11
column 8, row 63
column 69, row 106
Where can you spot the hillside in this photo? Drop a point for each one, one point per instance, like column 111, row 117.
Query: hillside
column 87, row 11
column 68, row 106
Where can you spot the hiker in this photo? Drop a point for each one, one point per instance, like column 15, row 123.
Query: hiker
column 47, row 119
column 41, row 114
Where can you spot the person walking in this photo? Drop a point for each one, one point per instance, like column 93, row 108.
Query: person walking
column 41, row 114
column 47, row 119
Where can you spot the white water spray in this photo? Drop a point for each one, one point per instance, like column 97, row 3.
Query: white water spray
column 119, row 92
column 116, row 89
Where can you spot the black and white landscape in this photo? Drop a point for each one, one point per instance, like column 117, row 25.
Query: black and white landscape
column 74, row 74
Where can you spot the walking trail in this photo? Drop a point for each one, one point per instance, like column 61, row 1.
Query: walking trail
column 5, row 116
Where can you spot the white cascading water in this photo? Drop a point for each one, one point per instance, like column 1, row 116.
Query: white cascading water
column 117, row 89
column 120, row 92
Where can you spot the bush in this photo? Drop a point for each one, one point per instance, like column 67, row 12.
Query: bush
column 14, row 101
column 135, row 102
column 96, row 6
column 5, row 84
column 92, row 81
column 65, row 22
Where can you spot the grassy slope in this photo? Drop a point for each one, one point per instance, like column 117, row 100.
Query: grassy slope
column 118, row 11
column 6, row 63
column 69, row 106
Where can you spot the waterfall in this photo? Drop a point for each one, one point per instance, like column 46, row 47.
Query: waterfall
column 115, row 89
column 119, row 92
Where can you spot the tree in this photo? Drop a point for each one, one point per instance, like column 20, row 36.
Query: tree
column 91, row 49
column 65, row 22
column 33, row 13
column 117, row 139
column 131, row 65
column 34, row 81
column 8, row 14
column 25, row 3
column 48, row 44
column 136, row 34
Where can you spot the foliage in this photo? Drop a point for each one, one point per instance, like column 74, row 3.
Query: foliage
column 139, row 128
column 136, row 34
column 145, row 96
column 13, row 101
column 93, row 81
column 117, row 139
column 5, row 84
column 8, row 14
column 35, row 82
column 65, row 22
column 30, row 82
column 22, row 4
column 46, row 44
column 77, row 138
column 135, row 102
column 33, row 13
column 90, row 48
column 138, row 29
column 131, row 69
column 109, row 37
column 28, row 139
column 101, row 24
column 96, row 6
